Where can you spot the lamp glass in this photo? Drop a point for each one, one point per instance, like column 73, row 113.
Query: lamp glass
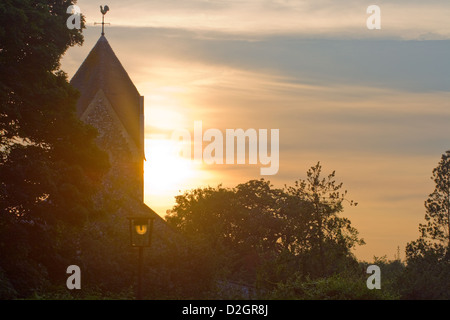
column 141, row 229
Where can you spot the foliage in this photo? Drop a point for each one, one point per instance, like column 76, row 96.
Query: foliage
column 427, row 274
column 391, row 273
column 61, row 293
column 50, row 165
column 335, row 287
column 260, row 235
column 435, row 233
column 425, row 277
column 315, row 227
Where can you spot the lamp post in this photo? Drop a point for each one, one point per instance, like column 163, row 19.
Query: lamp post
column 141, row 229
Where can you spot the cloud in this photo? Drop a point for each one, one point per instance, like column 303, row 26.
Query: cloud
column 403, row 65
column 382, row 97
column 321, row 18
column 376, row 110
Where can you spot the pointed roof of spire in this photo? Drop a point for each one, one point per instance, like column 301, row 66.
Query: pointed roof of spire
column 102, row 70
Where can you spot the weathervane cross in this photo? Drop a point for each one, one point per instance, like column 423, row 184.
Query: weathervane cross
column 103, row 11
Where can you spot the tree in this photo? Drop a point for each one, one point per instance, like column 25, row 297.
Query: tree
column 314, row 217
column 49, row 159
column 50, row 165
column 435, row 233
column 236, row 227
column 33, row 37
column 427, row 273
column 261, row 235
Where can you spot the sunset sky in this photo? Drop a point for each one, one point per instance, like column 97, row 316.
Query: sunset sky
column 374, row 105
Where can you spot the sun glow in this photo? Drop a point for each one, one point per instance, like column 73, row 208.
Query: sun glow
column 167, row 173
column 165, row 170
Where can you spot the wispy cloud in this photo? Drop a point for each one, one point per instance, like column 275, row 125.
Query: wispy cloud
column 403, row 18
column 373, row 106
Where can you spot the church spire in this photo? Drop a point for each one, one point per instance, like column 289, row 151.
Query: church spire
column 103, row 11
column 110, row 102
column 102, row 70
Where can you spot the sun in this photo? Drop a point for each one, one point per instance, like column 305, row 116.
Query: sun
column 167, row 173
column 164, row 169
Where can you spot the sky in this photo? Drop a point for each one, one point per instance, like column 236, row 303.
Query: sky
column 373, row 105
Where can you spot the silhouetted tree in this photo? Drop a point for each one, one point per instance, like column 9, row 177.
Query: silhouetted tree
column 235, row 226
column 427, row 273
column 315, row 221
column 49, row 158
column 435, row 233
column 49, row 163
column 262, row 235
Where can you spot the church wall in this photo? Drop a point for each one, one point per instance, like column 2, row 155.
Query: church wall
column 125, row 177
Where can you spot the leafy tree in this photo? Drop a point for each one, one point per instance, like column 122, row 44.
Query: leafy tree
column 435, row 233
column 427, row 274
column 235, row 226
column 425, row 277
column 33, row 37
column 319, row 232
column 49, row 163
column 261, row 235
column 49, row 159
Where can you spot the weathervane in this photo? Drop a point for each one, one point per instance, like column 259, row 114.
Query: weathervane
column 103, row 11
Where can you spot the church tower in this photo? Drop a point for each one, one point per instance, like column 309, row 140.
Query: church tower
column 110, row 102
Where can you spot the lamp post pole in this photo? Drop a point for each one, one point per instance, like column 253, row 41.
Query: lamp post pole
column 140, row 236
column 139, row 284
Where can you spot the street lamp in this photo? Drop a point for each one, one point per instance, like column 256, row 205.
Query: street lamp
column 141, row 229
